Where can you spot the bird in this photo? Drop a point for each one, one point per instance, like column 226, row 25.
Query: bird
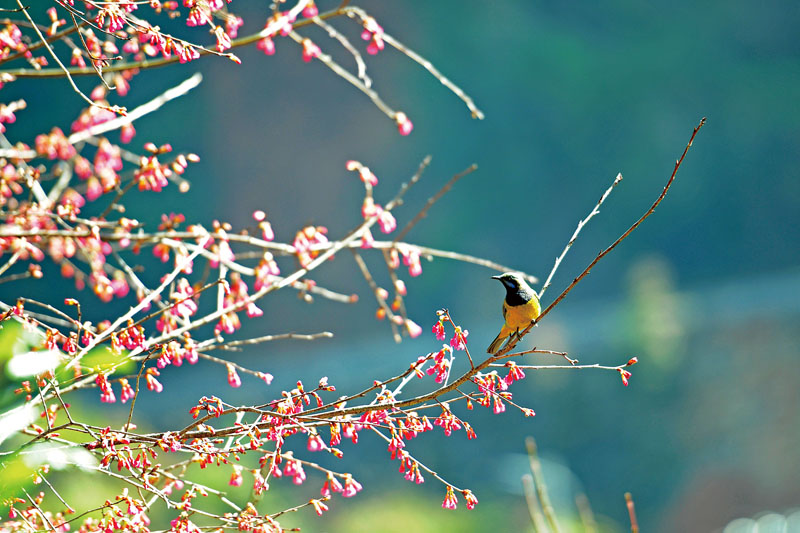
column 520, row 307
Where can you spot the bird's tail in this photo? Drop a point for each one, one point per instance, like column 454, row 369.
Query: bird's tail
column 497, row 343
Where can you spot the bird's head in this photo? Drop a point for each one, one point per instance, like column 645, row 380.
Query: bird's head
column 512, row 281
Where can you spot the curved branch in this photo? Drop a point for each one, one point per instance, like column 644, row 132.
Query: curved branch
column 510, row 346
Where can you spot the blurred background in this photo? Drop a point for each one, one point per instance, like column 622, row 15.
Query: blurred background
column 705, row 293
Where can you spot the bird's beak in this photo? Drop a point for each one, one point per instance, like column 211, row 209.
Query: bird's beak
column 496, row 277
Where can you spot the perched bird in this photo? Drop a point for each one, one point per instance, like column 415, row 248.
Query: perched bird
column 520, row 307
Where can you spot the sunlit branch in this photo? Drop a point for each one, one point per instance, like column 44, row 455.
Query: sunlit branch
column 510, row 346
column 595, row 211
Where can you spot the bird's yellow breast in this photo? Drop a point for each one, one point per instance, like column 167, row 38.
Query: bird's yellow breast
column 519, row 316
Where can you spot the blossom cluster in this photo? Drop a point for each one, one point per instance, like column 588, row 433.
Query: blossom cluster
column 66, row 203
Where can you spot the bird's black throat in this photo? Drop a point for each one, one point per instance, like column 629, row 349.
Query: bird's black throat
column 518, row 296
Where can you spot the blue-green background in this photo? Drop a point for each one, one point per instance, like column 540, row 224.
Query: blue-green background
column 705, row 293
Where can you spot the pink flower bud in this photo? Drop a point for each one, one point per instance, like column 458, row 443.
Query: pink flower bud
column 414, row 330
column 404, row 124
column 233, row 377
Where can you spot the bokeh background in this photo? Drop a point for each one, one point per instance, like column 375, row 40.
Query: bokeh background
column 705, row 293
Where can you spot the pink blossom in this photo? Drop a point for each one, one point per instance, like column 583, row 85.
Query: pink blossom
column 367, row 240
column 441, row 366
column 447, row 421
column 319, row 506
column 373, row 32
column 414, row 330
column 400, row 287
column 310, row 11
column 127, row 391
column 152, row 383
column 472, row 501
column 223, row 39
column 450, row 501
column 232, row 25
column 499, row 406
column 369, row 208
column 94, row 189
column 107, row 393
column 236, row 476
column 70, row 345
column 411, row 259
column 515, row 373
column 266, row 45
column 366, row 175
column 253, row 310
column 266, row 231
column 233, row 377
column 331, row 484
column 315, row 443
column 310, row 50
column 404, row 124
column 438, row 330
column 351, row 487
column 386, row 221
column 127, row 133
column 190, row 354
column 294, row 469
column 459, row 340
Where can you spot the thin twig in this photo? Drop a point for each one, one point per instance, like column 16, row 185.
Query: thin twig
column 376, row 291
column 631, row 512
column 127, row 425
column 510, row 346
column 541, row 488
column 277, row 248
column 63, row 502
column 398, row 199
column 141, row 305
column 15, row 277
column 63, row 180
column 57, row 60
column 152, row 63
column 534, row 508
column 11, row 261
column 433, row 199
column 269, row 338
column 345, row 42
column 96, row 62
column 595, row 211
column 354, row 80
column 153, row 105
column 45, row 519
column 33, row 47
column 427, row 65
column 564, row 367
column 565, row 355
column 73, row 323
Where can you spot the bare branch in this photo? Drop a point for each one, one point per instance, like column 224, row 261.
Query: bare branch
column 510, row 346
column 355, row 81
column 427, row 65
column 433, row 199
column 595, row 211
column 345, row 42
column 154, row 104
column 58, row 61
